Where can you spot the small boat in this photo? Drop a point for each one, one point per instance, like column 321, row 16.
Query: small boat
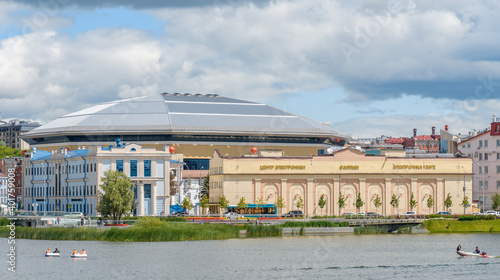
column 52, row 254
column 79, row 255
column 470, row 254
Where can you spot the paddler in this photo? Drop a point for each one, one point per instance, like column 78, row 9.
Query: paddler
column 459, row 247
column 83, row 252
column 48, row 251
column 56, row 250
column 75, row 252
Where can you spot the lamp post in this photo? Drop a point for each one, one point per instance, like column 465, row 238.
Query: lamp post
column 482, row 187
column 464, row 188
column 397, row 168
column 199, row 192
column 340, row 184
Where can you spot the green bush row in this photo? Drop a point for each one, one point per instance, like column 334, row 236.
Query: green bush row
column 260, row 230
column 476, row 217
column 4, row 222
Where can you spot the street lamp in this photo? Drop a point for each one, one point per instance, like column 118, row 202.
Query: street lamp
column 397, row 168
column 464, row 189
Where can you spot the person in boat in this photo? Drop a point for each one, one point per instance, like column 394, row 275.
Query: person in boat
column 477, row 251
column 83, row 252
column 56, row 251
column 459, row 247
column 75, row 252
column 48, row 251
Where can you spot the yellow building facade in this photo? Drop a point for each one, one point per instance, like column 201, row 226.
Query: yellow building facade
column 348, row 172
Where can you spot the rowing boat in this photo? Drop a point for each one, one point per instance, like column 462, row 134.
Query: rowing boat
column 470, row 254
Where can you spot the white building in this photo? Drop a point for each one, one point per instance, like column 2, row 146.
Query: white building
column 63, row 180
column 484, row 149
column 3, row 189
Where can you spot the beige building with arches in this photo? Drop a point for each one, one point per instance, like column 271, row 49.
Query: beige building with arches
column 347, row 172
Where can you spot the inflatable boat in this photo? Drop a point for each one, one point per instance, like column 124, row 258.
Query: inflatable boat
column 79, row 256
column 470, row 254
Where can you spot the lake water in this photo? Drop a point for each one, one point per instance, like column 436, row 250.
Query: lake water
column 408, row 256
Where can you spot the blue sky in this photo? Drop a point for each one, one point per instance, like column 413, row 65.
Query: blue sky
column 366, row 68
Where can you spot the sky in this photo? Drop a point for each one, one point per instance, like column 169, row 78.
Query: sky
column 366, row 68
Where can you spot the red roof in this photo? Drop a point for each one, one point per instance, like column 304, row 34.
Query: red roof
column 427, row 137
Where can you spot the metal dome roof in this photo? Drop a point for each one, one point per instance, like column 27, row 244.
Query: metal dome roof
column 184, row 114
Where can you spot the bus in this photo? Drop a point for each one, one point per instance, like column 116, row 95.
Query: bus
column 252, row 211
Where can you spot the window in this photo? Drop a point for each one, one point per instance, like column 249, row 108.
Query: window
column 147, row 168
column 468, row 145
column 498, row 169
column 119, row 165
column 498, row 184
column 480, row 170
column 480, row 143
column 485, row 184
column 498, row 143
column 486, row 170
column 133, row 168
column 486, row 143
column 496, row 130
column 463, row 146
column 480, row 156
column 485, row 156
column 498, row 155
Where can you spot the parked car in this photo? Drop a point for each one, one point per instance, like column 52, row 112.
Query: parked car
column 443, row 213
column 181, row 214
column 348, row 214
column 293, row 214
column 411, row 214
column 491, row 212
column 373, row 215
column 233, row 215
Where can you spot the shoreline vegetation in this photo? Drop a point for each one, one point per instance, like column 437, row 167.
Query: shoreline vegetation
column 148, row 229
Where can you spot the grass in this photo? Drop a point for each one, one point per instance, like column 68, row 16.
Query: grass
column 447, row 226
column 260, row 230
column 144, row 231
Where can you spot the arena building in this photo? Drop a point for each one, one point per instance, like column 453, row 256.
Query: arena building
column 195, row 125
column 349, row 172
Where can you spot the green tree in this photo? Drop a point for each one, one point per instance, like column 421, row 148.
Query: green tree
column 242, row 204
column 495, row 201
column 359, row 202
column 173, row 188
column 205, row 188
column 204, row 202
column 413, row 202
column 223, row 203
column 186, row 204
column 341, row 202
column 117, row 195
column 280, row 203
column 322, row 202
column 394, row 201
column 448, row 203
column 430, row 203
column 300, row 203
column 465, row 203
column 9, row 152
column 377, row 202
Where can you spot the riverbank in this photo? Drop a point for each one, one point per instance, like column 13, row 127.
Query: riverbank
column 454, row 226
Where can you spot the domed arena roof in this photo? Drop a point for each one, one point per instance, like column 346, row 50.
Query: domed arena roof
column 190, row 114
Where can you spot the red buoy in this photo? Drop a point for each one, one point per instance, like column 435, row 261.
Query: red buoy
column 254, row 150
column 171, row 149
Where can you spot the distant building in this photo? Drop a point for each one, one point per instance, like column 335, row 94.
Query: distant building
column 484, row 149
column 11, row 132
column 16, row 163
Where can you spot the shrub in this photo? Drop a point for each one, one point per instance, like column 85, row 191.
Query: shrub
column 314, row 224
column 4, row 222
column 273, row 230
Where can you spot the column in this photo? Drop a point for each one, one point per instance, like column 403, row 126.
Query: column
column 439, row 194
column 413, row 188
column 335, row 198
column 153, row 199
column 309, row 198
column 388, row 196
column 257, row 190
column 140, row 195
column 362, row 191
column 283, row 194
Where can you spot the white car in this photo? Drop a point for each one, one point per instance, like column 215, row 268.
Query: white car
column 233, row 215
column 492, row 212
